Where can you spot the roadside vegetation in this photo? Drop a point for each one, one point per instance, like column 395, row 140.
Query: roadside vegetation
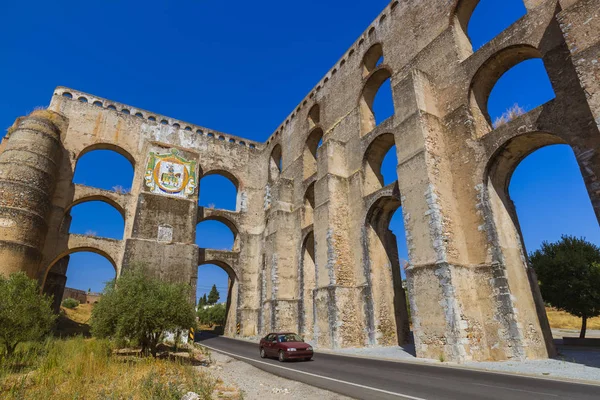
column 127, row 357
column 569, row 276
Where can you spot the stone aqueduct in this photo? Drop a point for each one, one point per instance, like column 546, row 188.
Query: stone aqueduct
column 312, row 251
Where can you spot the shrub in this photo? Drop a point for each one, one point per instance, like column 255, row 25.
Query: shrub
column 142, row 309
column 70, row 303
column 212, row 315
column 25, row 314
column 569, row 276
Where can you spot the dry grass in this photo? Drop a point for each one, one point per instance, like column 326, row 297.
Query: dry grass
column 510, row 114
column 80, row 314
column 90, row 369
column 563, row 320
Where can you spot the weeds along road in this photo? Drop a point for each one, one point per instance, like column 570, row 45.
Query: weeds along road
column 371, row 379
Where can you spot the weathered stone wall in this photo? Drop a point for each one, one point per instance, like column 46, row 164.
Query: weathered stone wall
column 313, row 252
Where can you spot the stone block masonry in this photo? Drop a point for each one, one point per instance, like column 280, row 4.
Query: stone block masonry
column 313, row 252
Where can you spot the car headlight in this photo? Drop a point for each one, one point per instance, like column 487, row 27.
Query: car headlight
column 310, row 348
column 292, row 349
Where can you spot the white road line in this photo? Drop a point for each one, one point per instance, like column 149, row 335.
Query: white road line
column 405, row 396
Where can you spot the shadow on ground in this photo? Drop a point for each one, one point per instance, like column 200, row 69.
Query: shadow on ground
column 589, row 356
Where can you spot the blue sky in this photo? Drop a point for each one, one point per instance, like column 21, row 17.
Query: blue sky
column 241, row 68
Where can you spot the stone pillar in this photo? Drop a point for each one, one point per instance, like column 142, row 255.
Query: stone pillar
column 56, row 280
column 28, row 169
column 282, row 300
column 164, row 226
column 338, row 302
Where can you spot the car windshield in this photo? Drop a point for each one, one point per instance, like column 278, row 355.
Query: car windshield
column 289, row 337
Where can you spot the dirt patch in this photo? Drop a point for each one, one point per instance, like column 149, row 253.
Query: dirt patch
column 257, row 384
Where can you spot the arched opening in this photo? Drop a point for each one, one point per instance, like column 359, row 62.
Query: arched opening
column 214, row 233
column 387, row 305
column 80, row 274
column 314, row 116
column 523, row 171
column 95, row 218
column 492, row 76
column 307, row 283
column 218, row 190
column 376, row 103
column 372, row 59
column 309, row 206
column 379, row 163
column 275, row 163
column 480, row 21
column 214, row 293
column 519, row 90
column 105, row 167
column 313, row 143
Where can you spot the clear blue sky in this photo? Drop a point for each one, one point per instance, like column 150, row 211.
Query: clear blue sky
column 241, row 68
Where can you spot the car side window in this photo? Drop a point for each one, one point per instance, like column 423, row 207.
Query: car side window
column 270, row 338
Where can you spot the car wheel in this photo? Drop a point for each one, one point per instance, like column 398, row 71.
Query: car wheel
column 308, row 359
column 281, row 356
column 263, row 354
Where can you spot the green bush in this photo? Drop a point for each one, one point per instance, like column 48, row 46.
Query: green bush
column 212, row 315
column 70, row 303
column 142, row 309
column 25, row 314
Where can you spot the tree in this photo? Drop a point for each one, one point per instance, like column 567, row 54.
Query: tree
column 25, row 314
column 213, row 296
column 141, row 308
column 569, row 276
column 212, row 315
column 202, row 302
column 218, row 314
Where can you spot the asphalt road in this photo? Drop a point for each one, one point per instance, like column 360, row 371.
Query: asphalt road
column 371, row 379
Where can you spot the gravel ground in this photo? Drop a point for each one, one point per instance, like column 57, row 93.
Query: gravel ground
column 257, row 384
column 571, row 363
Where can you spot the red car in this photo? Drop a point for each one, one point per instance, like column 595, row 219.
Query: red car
column 285, row 346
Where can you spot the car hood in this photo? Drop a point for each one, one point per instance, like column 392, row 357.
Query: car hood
column 296, row 345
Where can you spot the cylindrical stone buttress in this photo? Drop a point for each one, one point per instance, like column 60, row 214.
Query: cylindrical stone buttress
column 28, row 172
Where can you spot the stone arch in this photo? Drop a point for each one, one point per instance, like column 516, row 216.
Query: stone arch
column 227, row 175
column 371, row 58
column 314, row 116
column 372, row 161
column 386, row 307
column 309, row 206
column 488, row 75
column 508, row 247
column 107, row 146
column 65, row 225
column 275, row 162
column 503, row 162
column 311, row 148
column 461, row 18
column 78, row 249
column 306, row 284
column 97, row 197
column 224, row 173
column 54, row 278
column 371, row 87
column 225, row 221
column 233, row 294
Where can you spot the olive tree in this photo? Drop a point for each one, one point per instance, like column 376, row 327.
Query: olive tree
column 141, row 308
column 569, row 276
column 25, row 313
